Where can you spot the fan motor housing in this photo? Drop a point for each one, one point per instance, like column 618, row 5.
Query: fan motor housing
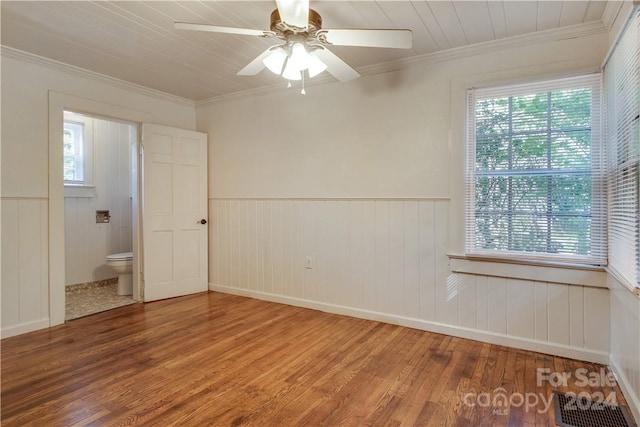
column 277, row 26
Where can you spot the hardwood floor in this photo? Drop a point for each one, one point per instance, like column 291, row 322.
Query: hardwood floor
column 220, row 360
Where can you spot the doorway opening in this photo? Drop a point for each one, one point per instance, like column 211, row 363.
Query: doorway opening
column 100, row 213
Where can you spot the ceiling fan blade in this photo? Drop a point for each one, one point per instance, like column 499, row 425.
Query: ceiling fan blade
column 336, row 66
column 399, row 39
column 294, row 12
column 255, row 66
column 216, row 29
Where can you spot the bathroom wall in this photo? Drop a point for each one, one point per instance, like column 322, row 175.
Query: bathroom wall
column 86, row 242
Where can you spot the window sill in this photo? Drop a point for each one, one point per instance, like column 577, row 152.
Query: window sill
column 540, row 271
column 617, row 277
column 82, row 191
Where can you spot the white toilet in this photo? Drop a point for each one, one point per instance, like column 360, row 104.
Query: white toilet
column 123, row 265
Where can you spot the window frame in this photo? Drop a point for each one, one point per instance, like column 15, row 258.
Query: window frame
column 596, row 169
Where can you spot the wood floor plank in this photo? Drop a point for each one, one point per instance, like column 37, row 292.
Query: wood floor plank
column 214, row 359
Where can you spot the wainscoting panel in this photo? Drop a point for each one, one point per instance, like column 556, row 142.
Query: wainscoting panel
column 374, row 255
column 387, row 260
column 25, row 277
column 625, row 342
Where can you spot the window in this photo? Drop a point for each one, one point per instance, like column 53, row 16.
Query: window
column 535, row 182
column 77, row 140
column 73, row 140
column 622, row 88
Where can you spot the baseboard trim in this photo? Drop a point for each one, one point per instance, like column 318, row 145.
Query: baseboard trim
column 633, row 400
column 425, row 325
column 23, row 328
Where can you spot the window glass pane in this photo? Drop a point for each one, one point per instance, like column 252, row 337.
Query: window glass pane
column 529, row 233
column 491, row 194
column 571, row 194
column 492, row 153
column 530, row 151
column 529, row 194
column 570, row 234
column 571, row 149
column 69, row 148
column 571, row 109
column 492, row 212
column 69, row 168
column 492, row 116
column 529, row 112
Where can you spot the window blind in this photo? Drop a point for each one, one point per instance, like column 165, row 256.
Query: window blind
column 622, row 106
column 535, row 179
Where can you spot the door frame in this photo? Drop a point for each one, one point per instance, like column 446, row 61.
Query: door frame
column 58, row 102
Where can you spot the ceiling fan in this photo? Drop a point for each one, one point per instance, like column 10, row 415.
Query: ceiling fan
column 304, row 43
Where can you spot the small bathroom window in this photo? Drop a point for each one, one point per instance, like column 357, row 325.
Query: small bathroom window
column 77, row 150
column 73, row 140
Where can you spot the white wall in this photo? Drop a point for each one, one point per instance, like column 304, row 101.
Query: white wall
column 367, row 178
column 625, row 342
column 27, row 83
column 379, row 136
column 87, row 243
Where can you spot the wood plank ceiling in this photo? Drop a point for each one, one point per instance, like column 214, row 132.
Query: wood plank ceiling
column 135, row 40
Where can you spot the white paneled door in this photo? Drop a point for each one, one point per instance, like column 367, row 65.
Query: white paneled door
column 174, row 212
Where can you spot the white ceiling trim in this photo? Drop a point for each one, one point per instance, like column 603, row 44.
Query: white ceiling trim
column 555, row 34
column 9, row 52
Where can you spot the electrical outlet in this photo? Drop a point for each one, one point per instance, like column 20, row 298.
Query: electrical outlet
column 308, row 262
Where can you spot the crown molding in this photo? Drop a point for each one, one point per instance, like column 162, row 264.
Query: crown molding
column 9, row 52
column 555, row 34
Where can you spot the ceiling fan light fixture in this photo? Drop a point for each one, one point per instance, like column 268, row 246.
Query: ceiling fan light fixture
column 299, row 57
column 275, row 61
column 316, row 66
column 300, row 28
column 291, row 72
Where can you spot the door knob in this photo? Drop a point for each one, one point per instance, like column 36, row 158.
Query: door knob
column 203, row 221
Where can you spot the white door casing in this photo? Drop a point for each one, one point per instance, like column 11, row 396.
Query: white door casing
column 174, row 203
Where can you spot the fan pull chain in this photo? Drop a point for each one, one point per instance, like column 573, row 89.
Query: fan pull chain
column 303, row 91
column 289, row 85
